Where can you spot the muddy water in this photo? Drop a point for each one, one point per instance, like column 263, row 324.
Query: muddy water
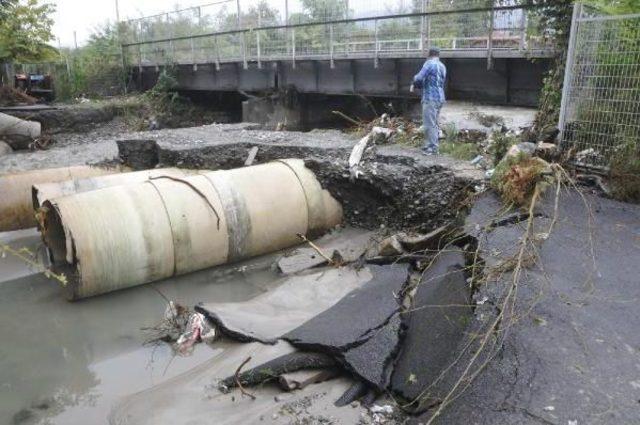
column 68, row 363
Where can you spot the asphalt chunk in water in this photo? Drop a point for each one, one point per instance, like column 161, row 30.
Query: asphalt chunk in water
column 362, row 329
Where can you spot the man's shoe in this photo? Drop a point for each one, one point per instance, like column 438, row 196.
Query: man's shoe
column 429, row 152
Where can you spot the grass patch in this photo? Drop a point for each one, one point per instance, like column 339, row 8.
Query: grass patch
column 457, row 150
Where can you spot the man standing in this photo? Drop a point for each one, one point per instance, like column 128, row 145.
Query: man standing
column 431, row 80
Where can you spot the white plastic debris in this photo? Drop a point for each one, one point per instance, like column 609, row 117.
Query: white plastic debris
column 359, row 148
column 197, row 330
column 477, row 160
column 387, row 409
column 482, row 301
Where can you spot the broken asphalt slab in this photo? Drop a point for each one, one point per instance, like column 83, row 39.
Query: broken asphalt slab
column 299, row 298
column 435, row 324
column 350, row 243
column 571, row 352
column 362, row 331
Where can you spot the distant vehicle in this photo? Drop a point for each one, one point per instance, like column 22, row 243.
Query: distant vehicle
column 39, row 86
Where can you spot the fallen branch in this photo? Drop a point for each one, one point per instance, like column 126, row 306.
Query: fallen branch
column 237, row 379
column 348, row 118
column 318, row 250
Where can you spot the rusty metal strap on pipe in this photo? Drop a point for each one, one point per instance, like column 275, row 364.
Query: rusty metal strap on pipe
column 173, row 236
column 196, row 190
column 306, row 196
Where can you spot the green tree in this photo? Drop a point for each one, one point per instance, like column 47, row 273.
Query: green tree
column 25, row 31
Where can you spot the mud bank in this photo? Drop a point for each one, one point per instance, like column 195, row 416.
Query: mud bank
column 398, row 187
column 66, row 117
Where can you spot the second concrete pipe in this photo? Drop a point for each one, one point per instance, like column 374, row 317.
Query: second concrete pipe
column 124, row 236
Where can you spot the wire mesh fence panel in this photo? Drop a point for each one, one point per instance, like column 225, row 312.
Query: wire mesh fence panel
column 601, row 99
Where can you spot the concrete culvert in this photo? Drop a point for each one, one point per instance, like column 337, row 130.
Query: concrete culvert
column 128, row 235
column 16, row 206
column 5, row 149
column 44, row 191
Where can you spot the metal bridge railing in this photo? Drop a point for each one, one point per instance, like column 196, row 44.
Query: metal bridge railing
column 489, row 30
column 227, row 15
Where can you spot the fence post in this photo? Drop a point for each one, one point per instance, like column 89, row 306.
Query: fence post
column 215, row 42
column 124, row 69
column 241, row 34
column 490, row 41
column 331, row 63
column 428, row 6
column 293, row 48
column 258, row 38
column 193, row 55
column 375, row 58
column 577, row 13
column 422, row 26
column 286, row 22
column 523, row 29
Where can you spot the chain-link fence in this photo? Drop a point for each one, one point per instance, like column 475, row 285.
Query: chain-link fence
column 72, row 76
column 600, row 112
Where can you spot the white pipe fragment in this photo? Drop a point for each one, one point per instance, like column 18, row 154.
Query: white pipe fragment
column 16, row 205
column 12, row 126
column 45, row 191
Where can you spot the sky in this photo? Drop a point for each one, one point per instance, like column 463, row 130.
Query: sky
column 83, row 16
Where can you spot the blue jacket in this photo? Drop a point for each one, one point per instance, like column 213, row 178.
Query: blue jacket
column 431, row 79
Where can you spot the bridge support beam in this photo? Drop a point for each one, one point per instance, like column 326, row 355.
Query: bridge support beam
column 515, row 81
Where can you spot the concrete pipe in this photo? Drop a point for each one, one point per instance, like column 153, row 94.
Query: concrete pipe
column 5, row 149
column 123, row 236
column 16, row 205
column 12, row 126
column 44, row 191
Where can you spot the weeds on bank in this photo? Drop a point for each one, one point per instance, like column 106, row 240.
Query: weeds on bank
column 484, row 343
column 499, row 145
column 459, row 150
column 625, row 172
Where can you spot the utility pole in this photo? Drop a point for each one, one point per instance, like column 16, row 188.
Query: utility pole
column 75, row 40
column 119, row 38
column 117, row 12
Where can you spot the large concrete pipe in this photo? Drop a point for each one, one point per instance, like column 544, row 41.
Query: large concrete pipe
column 11, row 126
column 16, row 205
column 44, row 191
column 123, row 236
